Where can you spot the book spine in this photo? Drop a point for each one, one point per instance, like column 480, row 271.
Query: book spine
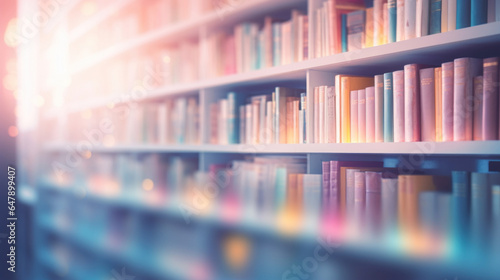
column 373, row 202
column 378, row 26
column 385, row 19
column 345, row 117
column 444, row 16
column 361, row 116
column 490, row 98
column 388, row 108
column 478, row 109
column 392, row 20
column 495, row 218
column 276, row 44
column 460, row 209
column 479, row 12
column 452, row 15
column 269, row 133
column 399, row 105
column 331, row 115
column 349, row 196
column 435, row 17
column 232, row 121
column 447, row 105
column 359, row 199
column 427, row 104
column 370, row 115
column 243, row 121
column 355, row 27
column 412, row 103
column 379, row 108
column 321, row 115
column 479, row 214
column 410, row 7
column 303, row 98
column 463, row 13
column 344, row 32
column 338, row 110
column 400, row 20
column 389, row 190
column 438, row 89
column 334, row 187
column 325, row 183
column 316, row 115
column 491, row 6
column 368, row 31
column 354, row 116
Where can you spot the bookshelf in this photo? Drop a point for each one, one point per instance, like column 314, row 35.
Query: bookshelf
column 441, row 157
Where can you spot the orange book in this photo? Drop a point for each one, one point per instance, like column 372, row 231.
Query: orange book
column 438, row 101
column 348, row 84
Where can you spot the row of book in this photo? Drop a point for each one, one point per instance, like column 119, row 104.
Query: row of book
column 342, row 26
column 251, row 47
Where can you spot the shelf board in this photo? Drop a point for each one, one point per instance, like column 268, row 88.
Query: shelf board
column 486, row 148
column 225, row 16
column 432, row 50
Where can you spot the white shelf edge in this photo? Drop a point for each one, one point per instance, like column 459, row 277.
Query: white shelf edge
column 487, row 148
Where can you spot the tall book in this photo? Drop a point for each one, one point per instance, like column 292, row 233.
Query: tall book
column 343, row 86
column 479, row 214
column 379, row 108
column 325, row 171
column 280, row 99
column 463, row 13
column 444, row 16
column 427, row 105
column 361, row 116
column 331, row 114
column 438, row 89
column 412, row 102
column 392, row 20
column 490, row 98
column 368, row 31
column 435, row 17
column 344, row 33
column 460, row 213
column 389, row 201
column 422, row 18
column 378, row 22
column 477, row 123
column 354, row 116
column 359, row 201
column 373, row 203
column 349, row 195
column 410, row 21
column 400, row 20
column 479, row 12
column 452, row 15
column 399, row 105
column 388, row 107
column 355, row 30
column 465, row 69
column 447, row 105
column 370, row 114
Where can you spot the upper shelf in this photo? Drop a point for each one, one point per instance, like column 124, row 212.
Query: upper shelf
column 477, row 41
column 488, row 148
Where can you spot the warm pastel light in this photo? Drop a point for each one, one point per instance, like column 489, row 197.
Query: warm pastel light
column 109, row 140
column 13, row 131
column 10, row 36
column 11, row 66
column 166, row 59
column 87, row 154
column 39, row 101
column 87, row 114
column 147, row 184
column 10, row 82
column 89, row 8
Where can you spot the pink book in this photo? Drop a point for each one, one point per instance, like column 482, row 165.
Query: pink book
column 361, row 116
column 427, row 105
column 463, row 94
column 477, row 123
column 330, row 96
column 412, row 103
column 373, row 202
column 370, row 114
column 399, row 106
column 354, row 116
column 447, row 81
column 379, row 108
column 359, row 198
column 490, row 98
column 316, row 115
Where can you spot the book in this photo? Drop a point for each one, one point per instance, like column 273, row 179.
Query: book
column 389, row 203
column 410, row 21
column 490, row 98
column 361, row 116
column 359, row 200
column 354, row 116
column 350, row 186
column 234, row 101
column 463, row 13
column 438, row 89
column 477, row 123
column 400, row 20
column 399, row 105
column 460, row 214
column 412, row 102
column 479, row 208
column 378, row 22
column 373, row 204
column 331, row 114
column 479, row 12
column 452, row 15
column 388, row 108
column 344, row 33
column 368, row 30
column 435, row 22
column 355, row 27
column 281, row 94
column 379, row 108
column 447, row 104
column 370, row 114
column 444, row 16
column 427, row 104
column 392, row 21
column 422, row 18
column 325, row 171
column 465, row 69
column 495, row 218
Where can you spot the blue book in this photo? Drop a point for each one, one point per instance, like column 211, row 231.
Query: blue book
column 479, row 12
column 435, row 17
column 344, row 33
column 495, row 218
column 388, row 108
column 463, row 13
column 391, row 5
column 460, row 210
column 276, row 44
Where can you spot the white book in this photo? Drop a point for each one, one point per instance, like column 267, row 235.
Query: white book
column 337, row 110
column 316, row 115
column 378, row 22
column 452, row 15
column 255, row 122
column 444, row 16
column 248, row 125
column 385, row 31
column 321, row 115
column 300, row 39
column 269, row 123
column 223, row 135
column 325, row 116
column 410, row 17
column 162, row 123
column 400, row 20
column 422, row 20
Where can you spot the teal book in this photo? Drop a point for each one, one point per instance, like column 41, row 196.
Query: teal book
column 276, row 44
column 435, row 17
column 392, row 20
column 460, row 184
column 479, row 12
column 388, row 108
column 463, row 13
column 234, row 102
column 280, row 183
column 344, row 33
